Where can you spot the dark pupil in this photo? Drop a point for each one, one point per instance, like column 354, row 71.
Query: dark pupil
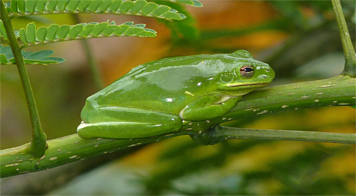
column 248, row 69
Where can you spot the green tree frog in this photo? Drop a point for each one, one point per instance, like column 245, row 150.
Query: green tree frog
column 156, row 98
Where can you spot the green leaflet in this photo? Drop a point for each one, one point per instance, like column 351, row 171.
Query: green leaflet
column 148, row 8
column 56, row 33
column 62, row 32
column 138, row 6
column 41, row 34
column 21, row 5
column 161, row 10
column 3, row 59
column 127, row 7
column 2, row 31
column 51, row 6
column 99, row 28
column 104, row 5
column 86, row 30
column 51, row 32
column 30, row 6
column 23, row 38
column 31, row 32
column 42, row 57
column 194, row 3
column 40, row 5
column 72, row 5
column 82, row 5
column 114, row 6
column 75, row 30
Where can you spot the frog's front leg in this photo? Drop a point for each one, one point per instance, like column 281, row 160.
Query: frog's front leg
column 126, row 123
column 208, row 107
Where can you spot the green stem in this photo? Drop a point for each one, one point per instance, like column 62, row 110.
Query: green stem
column 38, row 143
column 350, row 56
column 306, row 136
column 94, row 68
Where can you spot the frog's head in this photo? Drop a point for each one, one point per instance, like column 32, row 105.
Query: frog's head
column 244, row 75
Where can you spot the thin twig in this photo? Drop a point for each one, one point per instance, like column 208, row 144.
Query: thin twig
column 306, row 136
column 94, row 68
column 350, row 56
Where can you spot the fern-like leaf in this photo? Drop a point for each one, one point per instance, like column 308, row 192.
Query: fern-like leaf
column 42, row 57
column 120, row 7
column 56, row 33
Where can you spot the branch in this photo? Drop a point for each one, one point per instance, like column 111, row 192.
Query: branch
column 65, row 150
column 337, row 91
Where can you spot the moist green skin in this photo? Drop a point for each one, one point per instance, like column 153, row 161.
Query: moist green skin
column 153, row 98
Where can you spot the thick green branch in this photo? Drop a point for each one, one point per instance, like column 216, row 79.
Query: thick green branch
column 337, row 91
column 64, row 150
column 38, row 144
column 350, row 56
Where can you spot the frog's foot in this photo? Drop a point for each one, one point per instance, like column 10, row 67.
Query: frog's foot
column 207, row 137
column 128, row 123
column 208, row 107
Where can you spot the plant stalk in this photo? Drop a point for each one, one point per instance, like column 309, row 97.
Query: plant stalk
column 349, row 51
column 94, row 69
column 38, row 143
column 306, row 136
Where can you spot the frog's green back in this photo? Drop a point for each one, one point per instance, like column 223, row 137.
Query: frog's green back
column 168, row 84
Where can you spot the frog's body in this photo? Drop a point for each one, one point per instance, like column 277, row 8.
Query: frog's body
column 154, row 98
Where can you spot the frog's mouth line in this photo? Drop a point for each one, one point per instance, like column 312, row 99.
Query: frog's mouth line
column 248, row 85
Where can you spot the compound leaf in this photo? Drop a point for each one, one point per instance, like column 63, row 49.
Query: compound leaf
column 42, row 57
column 118, row 7
column 56, row 33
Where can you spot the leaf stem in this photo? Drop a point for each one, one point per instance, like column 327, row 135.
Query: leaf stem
column 350, row 56
column 38, row 143
column 94, row 68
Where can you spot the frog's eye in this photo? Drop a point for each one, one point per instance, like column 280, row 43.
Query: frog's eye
column 247, row 71
column 227, row 77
